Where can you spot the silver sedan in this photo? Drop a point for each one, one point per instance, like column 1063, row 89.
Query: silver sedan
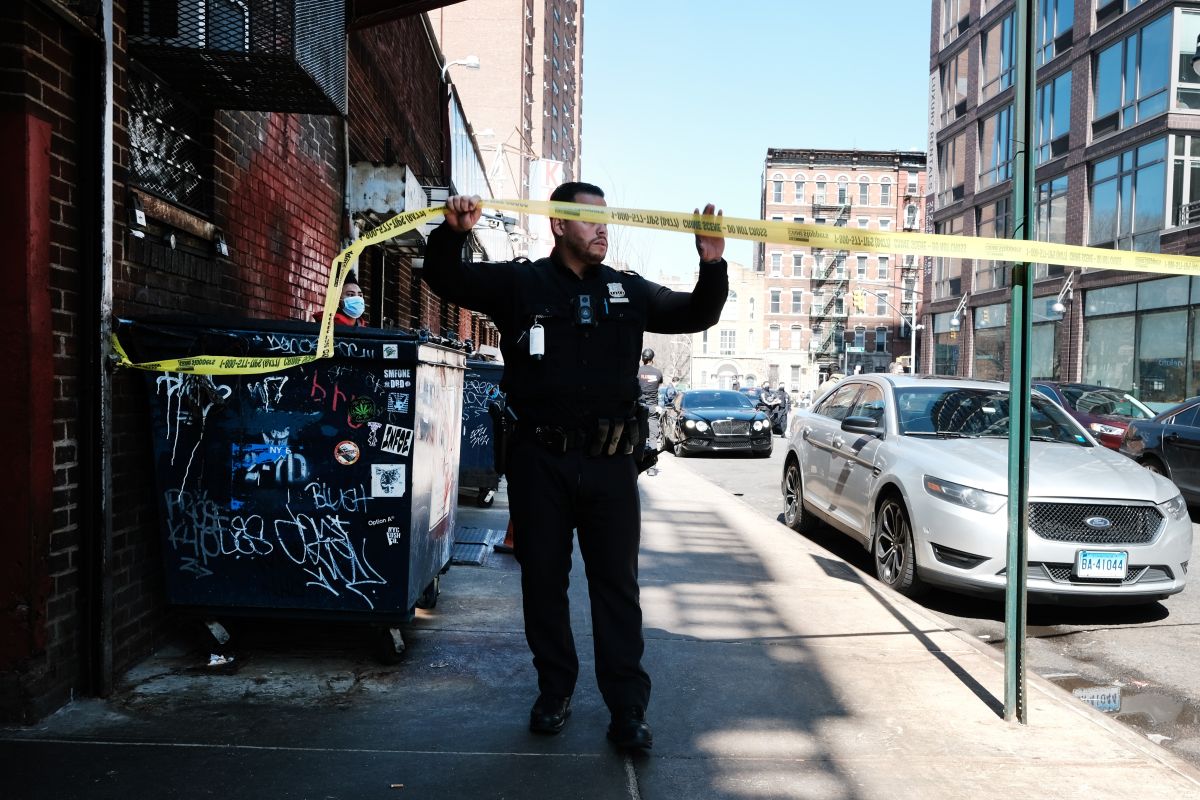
column 916, row 469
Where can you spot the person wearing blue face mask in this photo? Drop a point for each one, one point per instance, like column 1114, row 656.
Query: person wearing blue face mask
column 352, row 309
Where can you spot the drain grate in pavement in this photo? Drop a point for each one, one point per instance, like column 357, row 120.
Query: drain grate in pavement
column 469, row 553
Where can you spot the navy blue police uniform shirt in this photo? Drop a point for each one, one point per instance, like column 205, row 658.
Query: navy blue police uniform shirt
column 587, row 371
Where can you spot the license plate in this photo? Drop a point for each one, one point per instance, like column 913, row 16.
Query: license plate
column 1101, row 564
column 1102, row 698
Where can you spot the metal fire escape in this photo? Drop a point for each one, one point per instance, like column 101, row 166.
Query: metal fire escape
column 829, row 281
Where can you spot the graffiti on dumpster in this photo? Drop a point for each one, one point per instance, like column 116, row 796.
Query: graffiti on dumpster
column 203, row 534
column 477, row 393
column 480, row 436
column 193, row 398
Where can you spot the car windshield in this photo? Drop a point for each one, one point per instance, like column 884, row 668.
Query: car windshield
column 717, row 399
column 1108, row 402
column 953, row 412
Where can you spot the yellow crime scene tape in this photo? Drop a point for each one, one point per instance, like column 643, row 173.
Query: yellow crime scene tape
column 828, row 237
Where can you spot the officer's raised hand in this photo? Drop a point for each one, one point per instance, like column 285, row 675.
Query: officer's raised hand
column 463, row 211
column 710, row 248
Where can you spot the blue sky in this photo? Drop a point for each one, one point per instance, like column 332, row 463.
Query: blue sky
column 682, row 98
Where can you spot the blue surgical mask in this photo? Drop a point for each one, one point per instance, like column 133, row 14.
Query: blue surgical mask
column 353, row 306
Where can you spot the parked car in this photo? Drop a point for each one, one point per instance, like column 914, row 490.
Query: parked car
column 1104, row 411
column 1169, row 444
column 916, row 469
column 715, row 420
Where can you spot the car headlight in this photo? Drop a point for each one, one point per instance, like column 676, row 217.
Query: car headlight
column 689, row 423
column 975, row 499
column 1175, row 508
column 1106, row 430
column 758, row 425
column 701, row 425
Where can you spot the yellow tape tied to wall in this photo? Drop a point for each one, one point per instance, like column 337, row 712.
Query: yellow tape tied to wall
column 826, row 237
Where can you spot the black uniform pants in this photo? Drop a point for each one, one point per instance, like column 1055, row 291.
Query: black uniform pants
column 549, row 495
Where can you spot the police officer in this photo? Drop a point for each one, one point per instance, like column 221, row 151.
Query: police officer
column 650, row 380
column 571, row 329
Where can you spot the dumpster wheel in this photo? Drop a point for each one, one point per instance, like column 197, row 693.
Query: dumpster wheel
column 486, row 497
column 429, row 597
column 391, row 645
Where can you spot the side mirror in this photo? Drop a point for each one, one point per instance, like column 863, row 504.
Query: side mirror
column 863, row 425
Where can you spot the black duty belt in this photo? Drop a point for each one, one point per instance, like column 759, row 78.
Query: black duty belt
column 555, row 438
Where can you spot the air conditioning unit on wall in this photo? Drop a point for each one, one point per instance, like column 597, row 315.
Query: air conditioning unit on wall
column 252, row 55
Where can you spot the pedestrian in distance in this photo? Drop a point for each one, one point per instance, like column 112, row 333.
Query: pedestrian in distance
column 571, row 332
column 650, row 380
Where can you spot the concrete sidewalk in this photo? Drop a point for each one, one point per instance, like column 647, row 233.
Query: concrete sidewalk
column 778, row 671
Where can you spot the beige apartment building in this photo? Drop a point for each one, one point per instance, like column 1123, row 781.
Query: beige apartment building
column 518, row 67
column 731, row 351
column 824, row 311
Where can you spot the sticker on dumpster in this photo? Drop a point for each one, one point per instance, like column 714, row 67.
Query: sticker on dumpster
column 391, row 351
column 397, row 378
column 362, row 409
column 372, row 437
column 387, row 480
column 397, row 403
column 393, row 535
column 397, row 440
column 346, row 452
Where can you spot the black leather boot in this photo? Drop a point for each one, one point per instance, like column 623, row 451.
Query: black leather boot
column 549, row 714
column 629, row 729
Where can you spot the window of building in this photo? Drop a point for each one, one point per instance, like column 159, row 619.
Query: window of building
column 861, row 269
column 704, row 341
column 910, row 216
column 996, row 58
column 1129, row 199
column 843, row 190
column 1051, row 201
column 775, row 299
column 947, row 272
column 864, row 222
column 818, row 304
column 797, row 301
column 777, row 188
column 773, row 337
column 1187, row 31
column 1055, row 18
column 910, row 187
column 883, row 269
column 799, row 189
column 860, row 337
column 885, row 191
column 881, row 303
column 776, row 264
column 798, row 220
column 864, row 191
column 819, row 195
column 993, row 222
column 885, row 224
column 839, row 266
column 945, row 345
column 797, row 264
column 952, row 169
column 1132, row 77
column 839, row 304
column 166, row 151
column 991, row 342
column 881, row 340
column 1053, row 117
column 819, row 268
column 1185, row 181
column 1108, row 10
column 995, row 148
column 956, row 18
column 795, row 367
column 728, row 342
column 954, row 87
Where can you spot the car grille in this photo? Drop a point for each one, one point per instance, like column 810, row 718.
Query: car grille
column 1061, row 573
column 731, row 427
column 1064, row 522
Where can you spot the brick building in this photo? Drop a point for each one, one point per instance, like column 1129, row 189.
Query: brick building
column 1117, row 101
column 216, row 187
column 826, row 312
column 524, row 95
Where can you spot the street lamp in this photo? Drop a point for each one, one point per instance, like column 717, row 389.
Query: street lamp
column 913, row 327
column 1065, row 293
column 956, row 320
column 470, row 62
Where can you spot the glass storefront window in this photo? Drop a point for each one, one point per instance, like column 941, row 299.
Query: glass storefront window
column 1132, row 77
column 1129, row 199
column 1162, row 293
column 1112, row 300
column 1108, row 352
column 991, row 354
column 1161, row 358
column 945, row 345
column 994, row 222
column 1053, row 116
column 1043, row 345
column 1186, row 31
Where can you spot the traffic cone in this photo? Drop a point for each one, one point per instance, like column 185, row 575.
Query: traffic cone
column 507, row 545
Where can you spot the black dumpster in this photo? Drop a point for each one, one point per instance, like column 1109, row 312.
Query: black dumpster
column 477, row 469
column 324, row 490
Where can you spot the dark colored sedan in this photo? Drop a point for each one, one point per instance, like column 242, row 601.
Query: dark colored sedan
column 1104, row 411
column 715, row 420
column 1169, row 444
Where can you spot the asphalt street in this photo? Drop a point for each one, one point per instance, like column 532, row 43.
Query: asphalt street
column 1139, row 664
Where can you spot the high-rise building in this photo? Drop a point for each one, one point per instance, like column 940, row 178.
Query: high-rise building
column 826, row 311
column 524, row 99
column 1118, row 166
